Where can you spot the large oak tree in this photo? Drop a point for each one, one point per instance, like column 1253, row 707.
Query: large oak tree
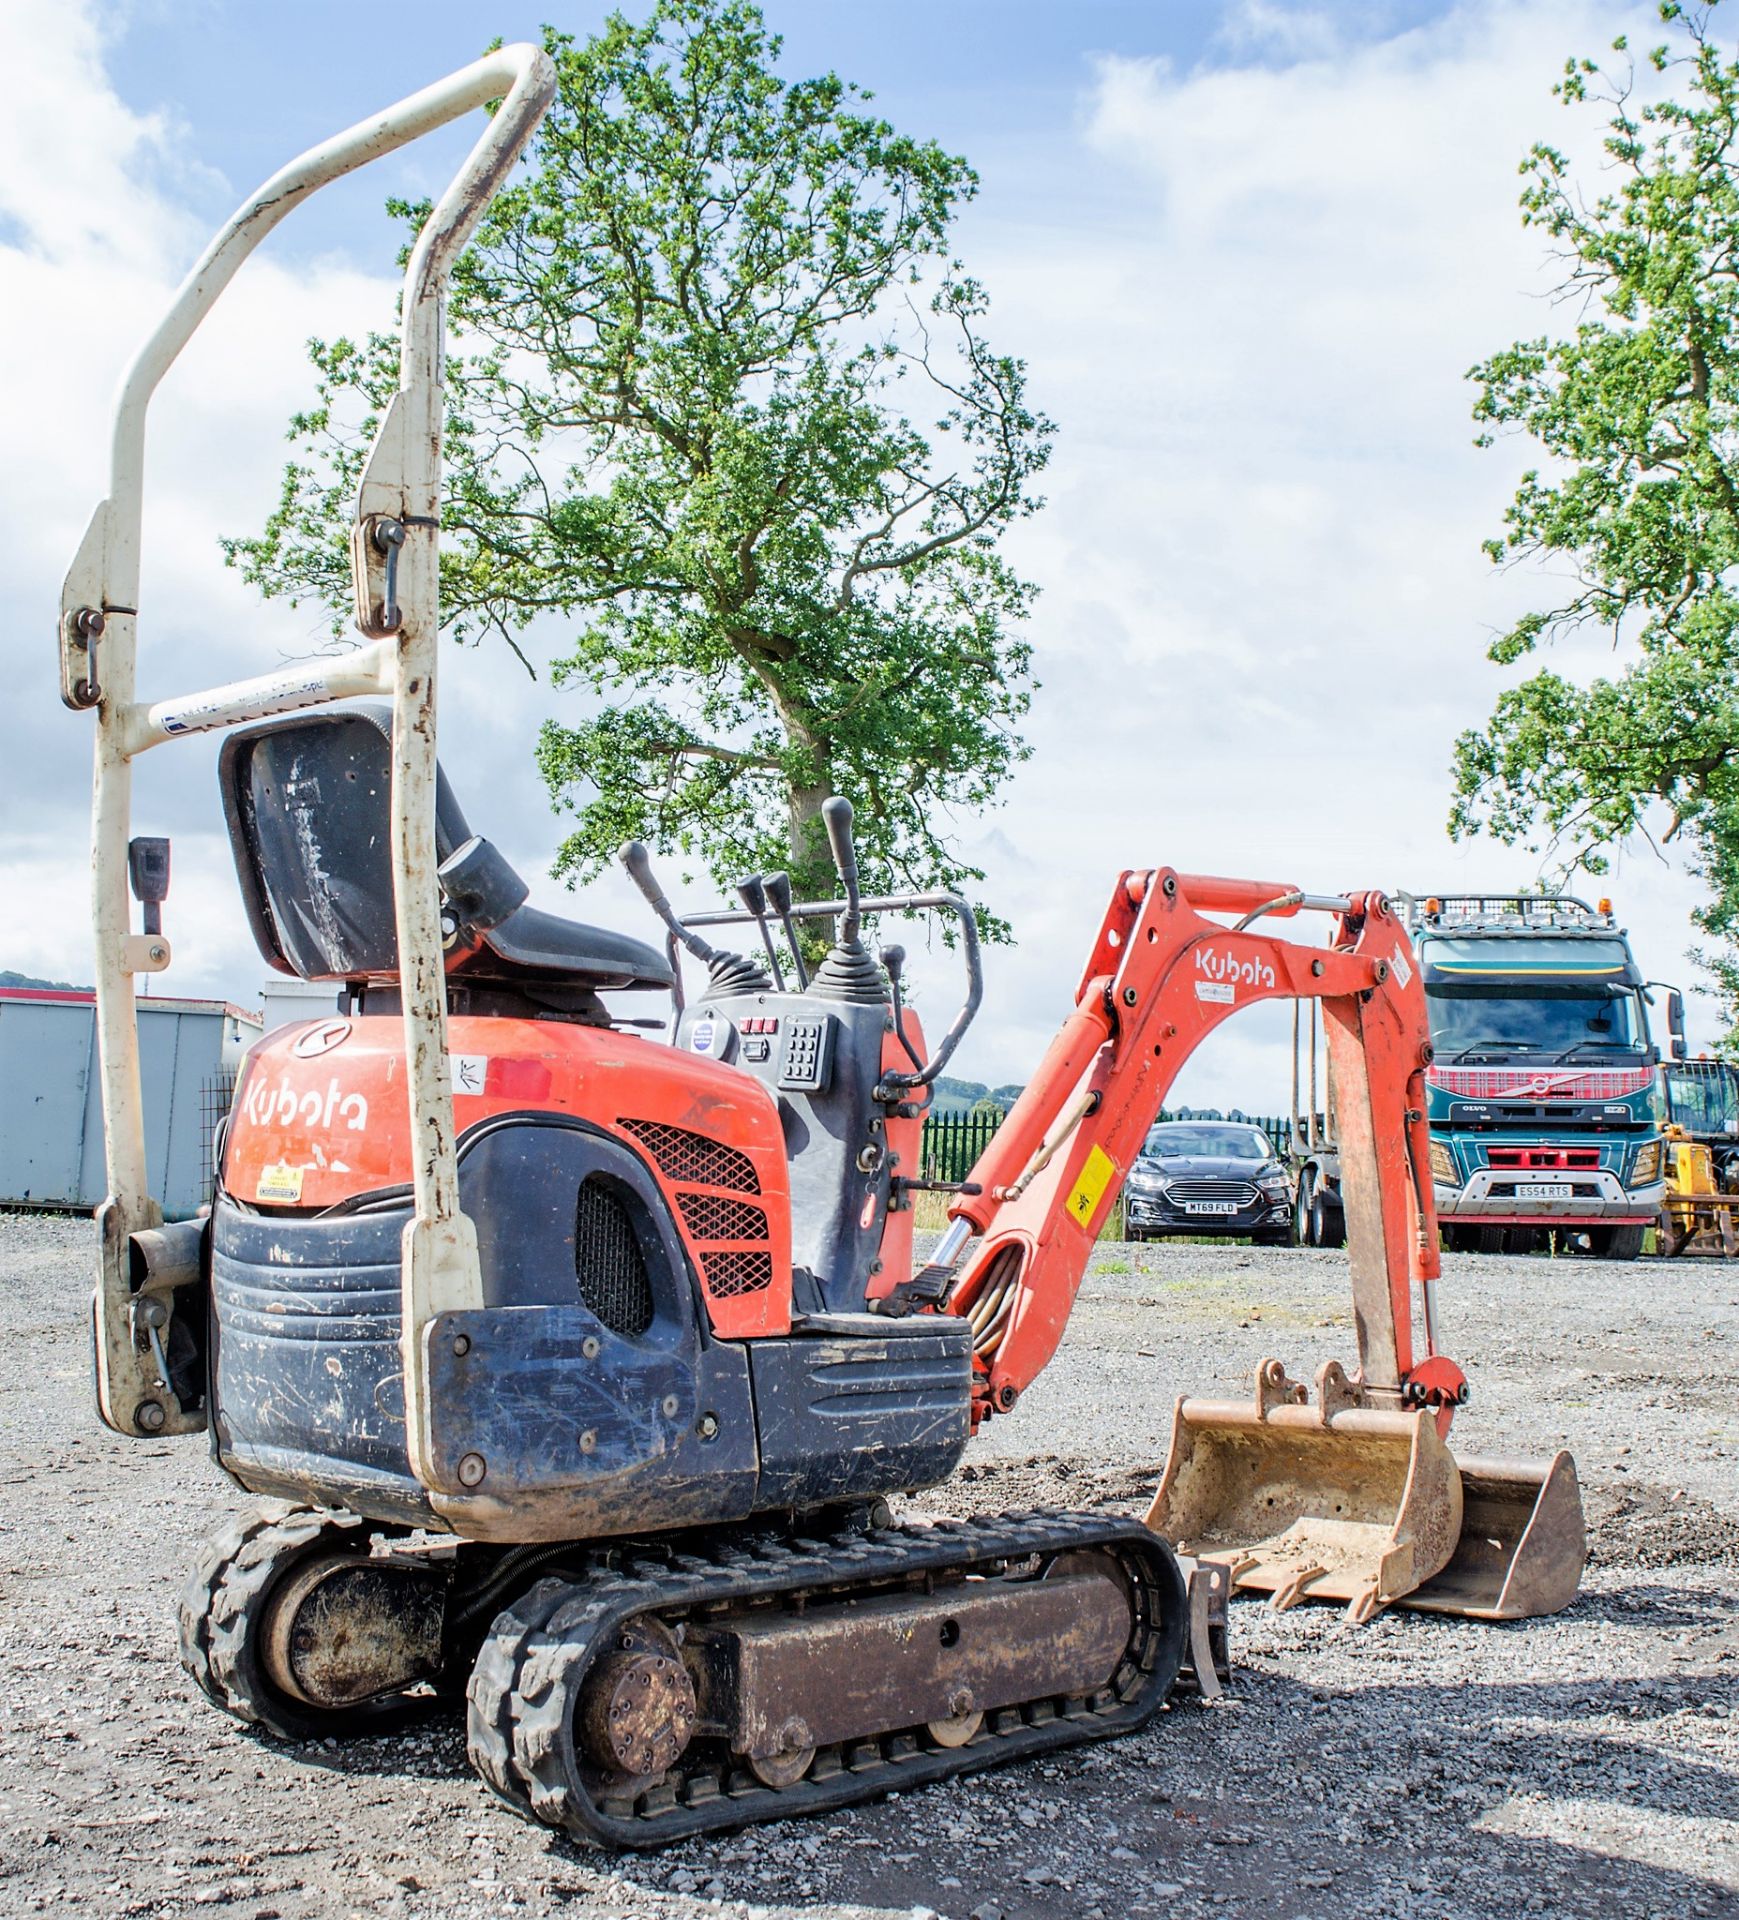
column 722, row 417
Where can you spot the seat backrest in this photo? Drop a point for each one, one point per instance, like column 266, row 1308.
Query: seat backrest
column 308, row 801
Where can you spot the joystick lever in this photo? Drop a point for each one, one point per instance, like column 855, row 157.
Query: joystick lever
column 778, row 886
column 752, row 892
column 848, row 973
column 729, row 972
column 836, row 815
column 638, row 861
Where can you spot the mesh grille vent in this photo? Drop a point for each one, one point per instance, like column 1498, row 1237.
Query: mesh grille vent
column 709, row 1216
column 608, row 1262
column 728, row 1274
column 692, row 1160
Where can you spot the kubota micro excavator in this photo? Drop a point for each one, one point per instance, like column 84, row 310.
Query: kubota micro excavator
column 575, row 1367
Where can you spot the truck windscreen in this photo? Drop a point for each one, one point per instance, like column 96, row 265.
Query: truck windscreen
column 1469, row 1025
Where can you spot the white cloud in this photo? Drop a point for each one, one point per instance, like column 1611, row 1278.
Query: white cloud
column 1282, row 32
column 1265, row 607
column 1251, row 303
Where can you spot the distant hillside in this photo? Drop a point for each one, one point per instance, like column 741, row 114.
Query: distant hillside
column 960, row 1096
column 10, row 979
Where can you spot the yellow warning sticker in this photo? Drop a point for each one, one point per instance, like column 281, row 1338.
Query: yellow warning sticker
column 1095, row 1177
column 281, row 1184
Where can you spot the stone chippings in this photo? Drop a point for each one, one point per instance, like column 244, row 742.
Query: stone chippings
column 1584, row 1765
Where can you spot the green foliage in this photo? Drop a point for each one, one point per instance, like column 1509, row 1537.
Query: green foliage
column 1638, row 413
column 720, row 401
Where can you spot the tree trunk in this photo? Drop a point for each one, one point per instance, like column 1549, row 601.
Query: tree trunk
column 812, row 875
column 812, row 871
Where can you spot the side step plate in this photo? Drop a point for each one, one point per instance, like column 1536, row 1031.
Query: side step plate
column 530, row 1677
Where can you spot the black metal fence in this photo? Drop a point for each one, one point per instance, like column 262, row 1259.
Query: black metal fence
column 215, row 1096
column 953, row 1141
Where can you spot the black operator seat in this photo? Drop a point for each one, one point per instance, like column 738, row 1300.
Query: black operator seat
column 307, row 798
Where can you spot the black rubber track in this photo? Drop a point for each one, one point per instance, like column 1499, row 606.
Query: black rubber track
column 531, row 1668
column 193, row 1616
column 222, row 1609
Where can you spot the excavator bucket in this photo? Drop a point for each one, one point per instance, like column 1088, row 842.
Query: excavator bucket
column 1335, row 1501
column 1523, row 1543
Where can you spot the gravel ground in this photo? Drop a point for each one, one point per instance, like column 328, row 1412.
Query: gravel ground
column 1585, row 1765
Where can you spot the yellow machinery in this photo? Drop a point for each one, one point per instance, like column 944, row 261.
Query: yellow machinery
column 1702, row 1156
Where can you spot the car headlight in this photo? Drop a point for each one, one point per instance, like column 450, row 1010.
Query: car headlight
column 1275, row 1185
column 1647, row 1164
column 1443, row 1165
column 1144, row 1180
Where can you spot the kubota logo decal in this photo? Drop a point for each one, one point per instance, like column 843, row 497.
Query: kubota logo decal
column 284, row 1104
column 320, row 1039
column 1227, row 967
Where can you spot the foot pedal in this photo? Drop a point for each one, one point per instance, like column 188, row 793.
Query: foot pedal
column 928, row 1287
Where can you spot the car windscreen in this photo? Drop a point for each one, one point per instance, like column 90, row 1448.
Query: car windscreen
column 1182, row 1139
column 1543, row 1026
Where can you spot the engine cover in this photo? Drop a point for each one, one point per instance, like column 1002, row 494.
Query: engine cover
column 320, row 1120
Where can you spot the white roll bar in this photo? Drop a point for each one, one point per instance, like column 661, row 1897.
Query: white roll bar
column 98, row 637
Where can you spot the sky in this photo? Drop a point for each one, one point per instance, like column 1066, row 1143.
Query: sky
column 1248, row 252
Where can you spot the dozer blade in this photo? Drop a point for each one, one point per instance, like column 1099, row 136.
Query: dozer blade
column 1523, row 1543
column 1332, row 1502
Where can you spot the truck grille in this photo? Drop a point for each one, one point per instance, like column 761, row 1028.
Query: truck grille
column 728, row 1274
column 691, row 1159
column 710, row 1216
column 1541, row 1083
column 1183, row 1193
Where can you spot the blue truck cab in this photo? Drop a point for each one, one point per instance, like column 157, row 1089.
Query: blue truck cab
column 1543, row 1097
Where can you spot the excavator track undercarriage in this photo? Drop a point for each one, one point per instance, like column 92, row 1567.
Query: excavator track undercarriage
column 667, row 1688
column 893, row 1651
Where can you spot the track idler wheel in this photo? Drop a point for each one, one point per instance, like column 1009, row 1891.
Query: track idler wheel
column 288, row 1623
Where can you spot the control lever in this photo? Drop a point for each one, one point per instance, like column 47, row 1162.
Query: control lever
column 893, row 960
column 753, row 894
column 778, row 888
column 730, row 972
column 836, row 815
column 635, row 857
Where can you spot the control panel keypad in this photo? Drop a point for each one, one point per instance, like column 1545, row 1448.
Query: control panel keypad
column 806, row 1053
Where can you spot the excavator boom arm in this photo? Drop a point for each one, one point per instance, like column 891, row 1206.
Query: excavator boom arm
column 1161, row 977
